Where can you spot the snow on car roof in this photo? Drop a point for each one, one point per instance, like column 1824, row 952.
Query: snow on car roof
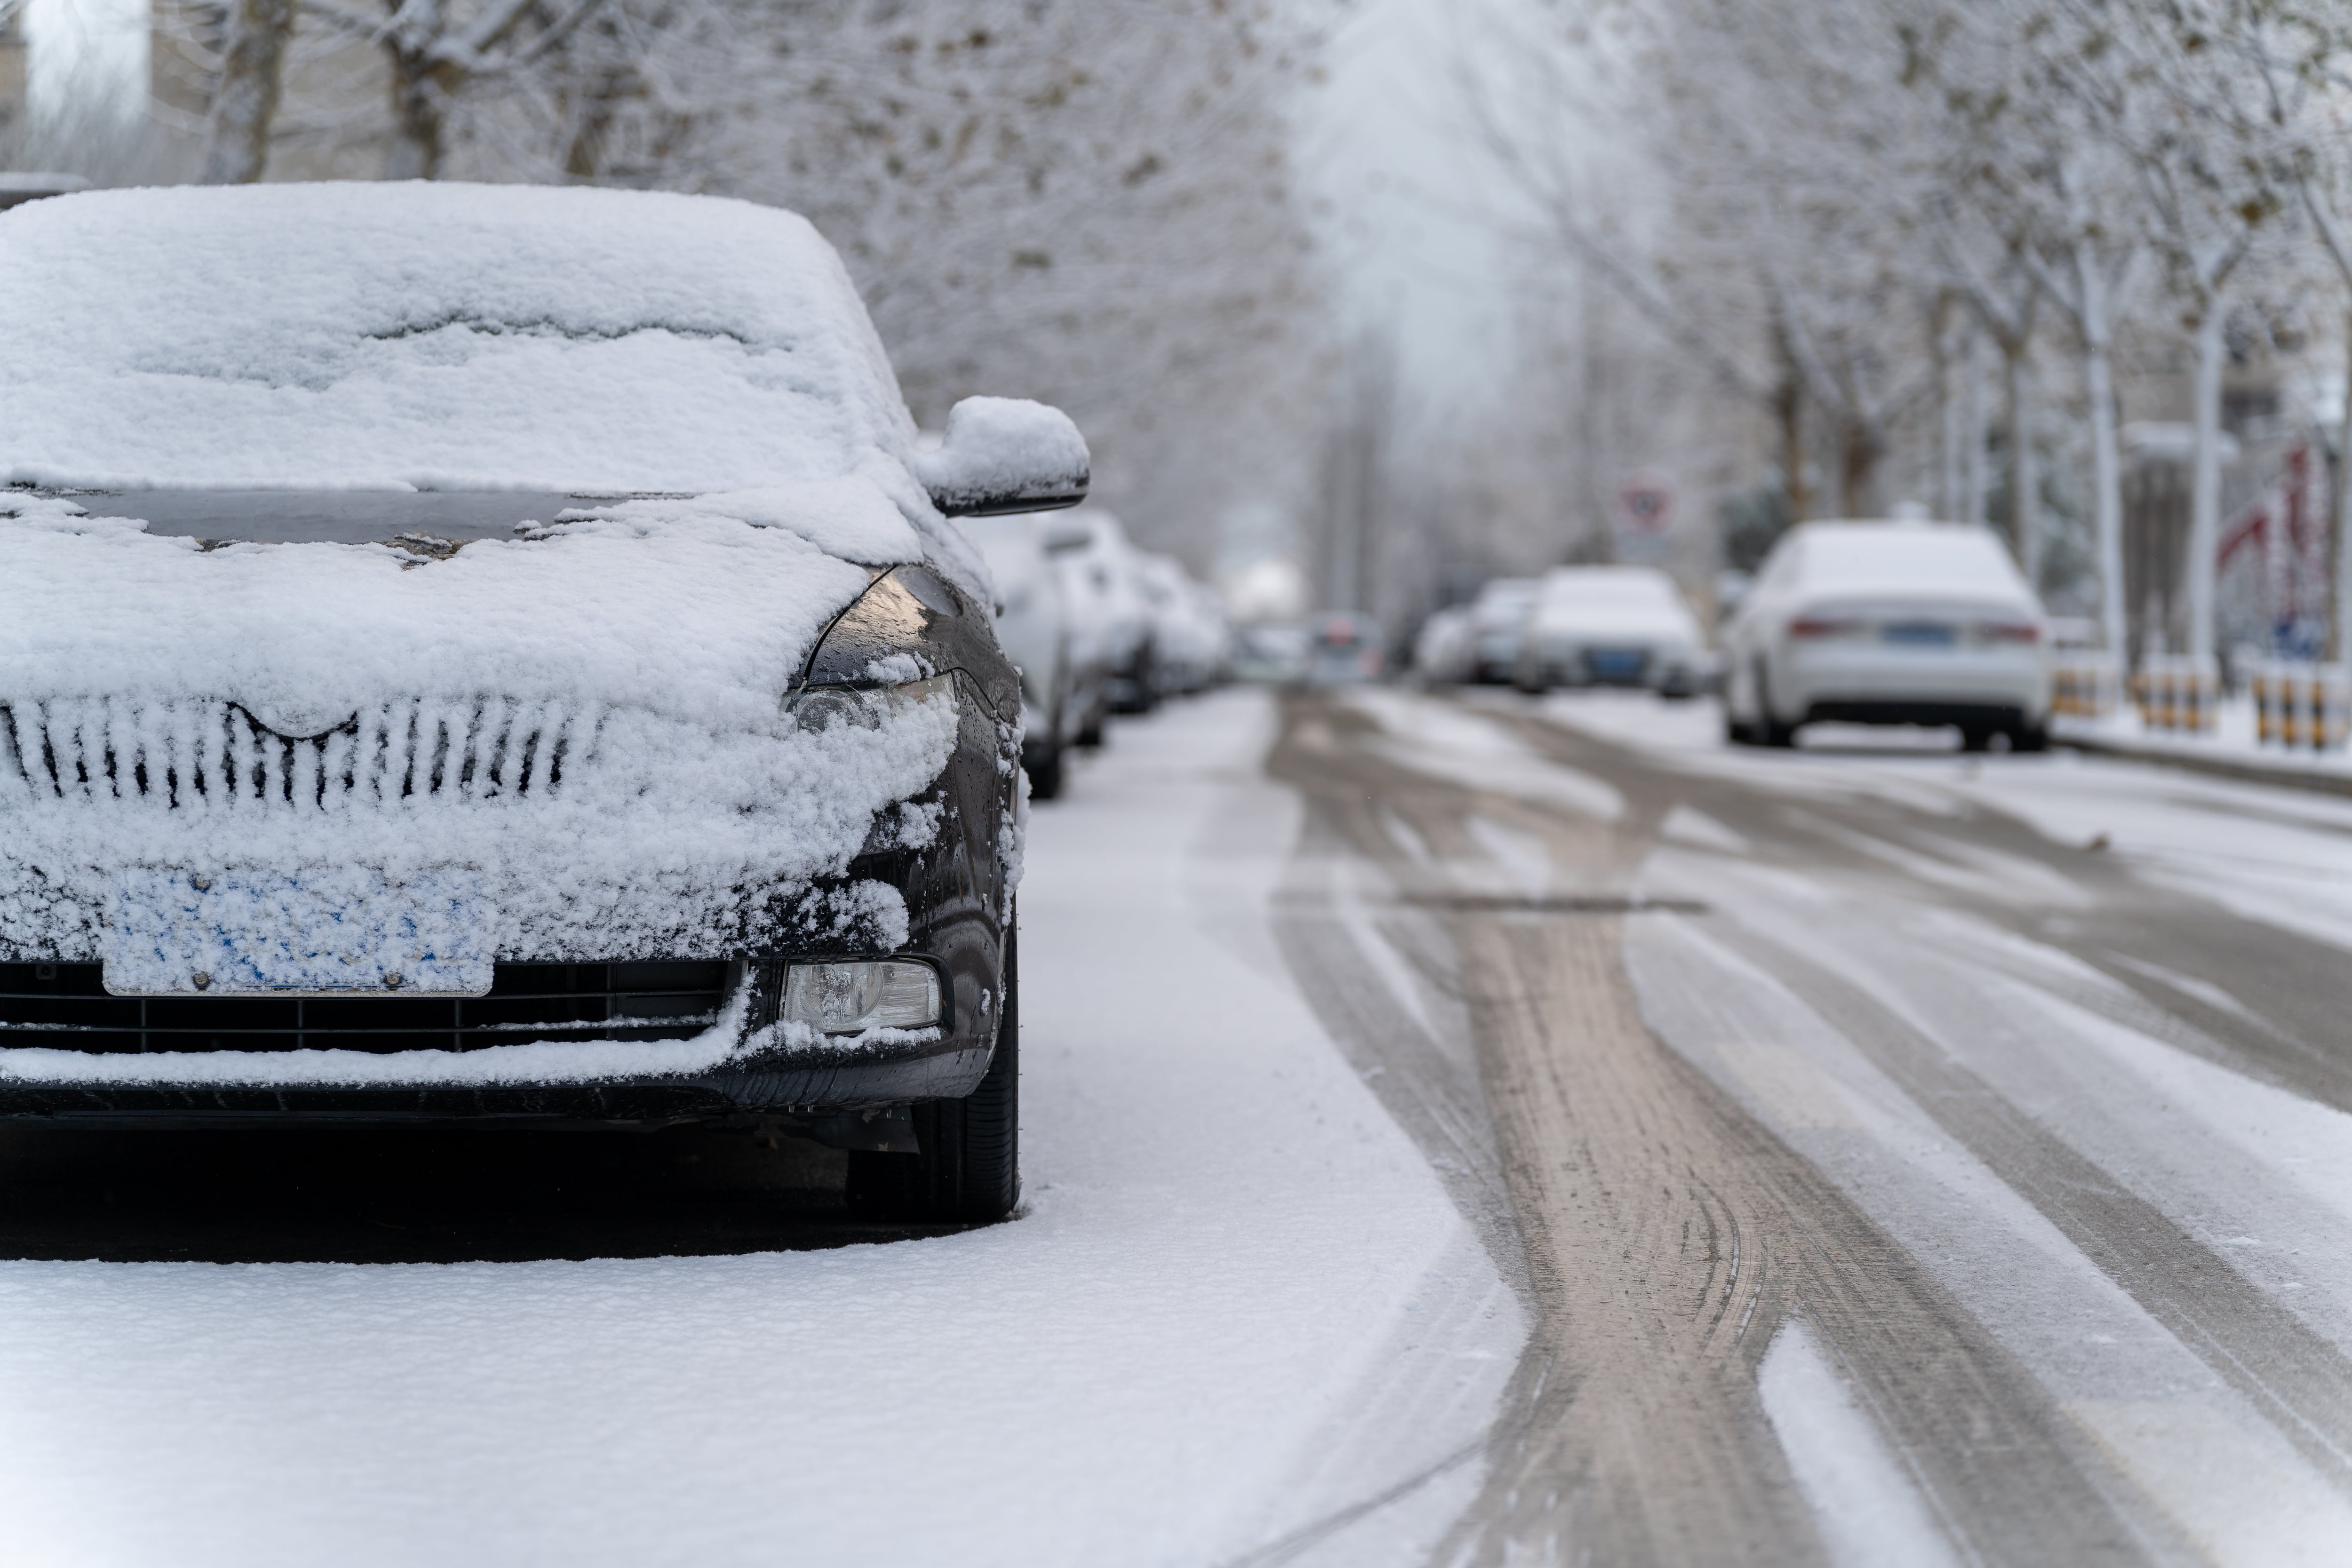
column 1609, row 586
column 437, row 335
column 1889, row 557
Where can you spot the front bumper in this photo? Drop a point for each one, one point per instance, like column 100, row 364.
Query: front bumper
column 826, row 1099
column 957, row 901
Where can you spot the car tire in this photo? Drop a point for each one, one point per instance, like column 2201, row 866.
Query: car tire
column 968, row 1172
column 1737, row 730
column 1976, row 737
column 1768, row 730
column 2028, row 738
column 1043, row 766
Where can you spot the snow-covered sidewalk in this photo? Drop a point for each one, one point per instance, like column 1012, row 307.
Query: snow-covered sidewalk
column 2232, row 749
column 1176, row 1356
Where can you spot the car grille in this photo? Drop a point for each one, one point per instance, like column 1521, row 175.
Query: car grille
column 64, row 1007
column 217, row 755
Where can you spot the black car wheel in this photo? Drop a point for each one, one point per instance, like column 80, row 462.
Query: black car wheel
column 1043, row 763
column 969, row 1168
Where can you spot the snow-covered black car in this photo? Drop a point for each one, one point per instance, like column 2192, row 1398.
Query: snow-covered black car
column 497, row 654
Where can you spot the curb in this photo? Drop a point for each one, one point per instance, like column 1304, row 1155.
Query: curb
column 2215, row 767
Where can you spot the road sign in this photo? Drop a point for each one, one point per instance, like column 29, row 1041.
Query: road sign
column 1646, row 503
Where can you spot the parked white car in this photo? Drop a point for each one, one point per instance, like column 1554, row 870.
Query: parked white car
column 1271, row 653
column 1188, row 626
column 1101, row 577
column 1110, row 632
column 1445, row 651
column 1889, row 622
column 1037, row 629
column 1497, row 617
column 1611, row 626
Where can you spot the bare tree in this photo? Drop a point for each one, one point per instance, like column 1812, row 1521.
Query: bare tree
column 244, row 100
column 437, row 50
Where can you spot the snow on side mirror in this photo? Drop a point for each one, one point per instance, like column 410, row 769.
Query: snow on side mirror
column 1006, row 454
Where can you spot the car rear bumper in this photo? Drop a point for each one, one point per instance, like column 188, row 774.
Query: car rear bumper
column 1812, row 681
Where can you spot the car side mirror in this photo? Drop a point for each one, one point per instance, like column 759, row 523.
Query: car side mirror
column 1004, row 455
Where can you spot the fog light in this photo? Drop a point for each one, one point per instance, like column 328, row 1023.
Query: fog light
column 851, row 998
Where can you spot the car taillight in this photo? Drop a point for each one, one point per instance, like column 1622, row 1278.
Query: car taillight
column 1816, row 627
column 2008, row 631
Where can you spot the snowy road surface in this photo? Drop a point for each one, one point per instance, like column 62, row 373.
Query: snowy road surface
column 1457, row 1131
column 1919, row 1159
column 1238, row 1308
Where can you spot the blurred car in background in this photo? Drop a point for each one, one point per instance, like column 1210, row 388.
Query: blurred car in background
column 1611, row 626
column 1497, row 617
column 1109, row 626
column 1187, row 647
column 1036, row 623
column 1271, row 653
column 1445, row 651
column 1345, row 648
column 1889, row 622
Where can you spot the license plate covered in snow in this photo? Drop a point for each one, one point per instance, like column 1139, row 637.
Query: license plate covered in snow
column 329, row 932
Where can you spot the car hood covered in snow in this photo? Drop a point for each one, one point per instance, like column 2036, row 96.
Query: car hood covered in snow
column 592, row 715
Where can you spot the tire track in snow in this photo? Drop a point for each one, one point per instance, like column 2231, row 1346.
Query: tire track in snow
column 1668, row 1234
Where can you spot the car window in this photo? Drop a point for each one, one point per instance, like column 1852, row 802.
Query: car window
column 1781, row 567
column 1864, row 560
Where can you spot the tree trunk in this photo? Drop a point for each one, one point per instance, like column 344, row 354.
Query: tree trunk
column 2341, row 496
column 2106, row 463
column 2205, row 480
column 1951, row 486
column 1975, row 477
column 246, row 101
column 420, row 94
column 2024, row 484
column 2107, row 499
column 1788, row 413
column 1858, row 453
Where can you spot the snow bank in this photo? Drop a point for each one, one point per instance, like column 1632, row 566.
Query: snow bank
column 591, row 716
column 437, row 335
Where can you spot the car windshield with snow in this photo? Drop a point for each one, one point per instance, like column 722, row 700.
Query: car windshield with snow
column 499, row 654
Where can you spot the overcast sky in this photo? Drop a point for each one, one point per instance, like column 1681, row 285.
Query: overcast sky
column 1404, row 199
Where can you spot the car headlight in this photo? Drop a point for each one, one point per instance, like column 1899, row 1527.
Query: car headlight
column 910, row 628
column 851, row 998
column 817, row 709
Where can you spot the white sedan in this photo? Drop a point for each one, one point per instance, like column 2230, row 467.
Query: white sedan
column 1611, row 626
column 1889, row 622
